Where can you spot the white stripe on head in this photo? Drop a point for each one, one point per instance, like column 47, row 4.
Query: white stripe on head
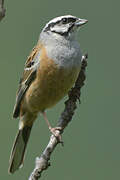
column 57, row 19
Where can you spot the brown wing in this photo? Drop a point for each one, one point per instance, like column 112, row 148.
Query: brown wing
column 28, row 77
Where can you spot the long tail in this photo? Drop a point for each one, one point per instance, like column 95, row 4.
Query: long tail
column 18, row 150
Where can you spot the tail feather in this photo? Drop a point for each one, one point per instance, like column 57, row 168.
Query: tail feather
column 18, row 150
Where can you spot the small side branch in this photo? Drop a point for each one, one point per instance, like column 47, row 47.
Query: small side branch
column 42, row 162
column 2, row 10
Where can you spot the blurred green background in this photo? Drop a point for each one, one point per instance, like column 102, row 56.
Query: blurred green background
column 92, row 140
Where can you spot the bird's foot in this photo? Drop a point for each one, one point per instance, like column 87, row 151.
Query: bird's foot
column 56, row 132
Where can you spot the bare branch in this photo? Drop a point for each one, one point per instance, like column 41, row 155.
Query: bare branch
column 42, row 162
column 2, row 10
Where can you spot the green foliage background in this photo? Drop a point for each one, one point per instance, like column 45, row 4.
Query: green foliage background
column 92, row 140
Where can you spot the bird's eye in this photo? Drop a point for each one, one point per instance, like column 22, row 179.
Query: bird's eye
column 64, row 20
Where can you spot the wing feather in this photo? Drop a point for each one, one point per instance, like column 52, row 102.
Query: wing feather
column 28, row 77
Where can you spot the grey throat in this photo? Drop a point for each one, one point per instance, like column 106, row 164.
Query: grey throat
column 64, row 50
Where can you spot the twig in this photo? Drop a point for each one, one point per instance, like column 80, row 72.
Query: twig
column 2, row 10
column 42, row 162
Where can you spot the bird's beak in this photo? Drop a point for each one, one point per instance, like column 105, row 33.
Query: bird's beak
column 80, row 22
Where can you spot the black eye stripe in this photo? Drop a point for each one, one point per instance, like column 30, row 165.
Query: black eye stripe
column 68, row 20
column 71, row 19
column 64, row 21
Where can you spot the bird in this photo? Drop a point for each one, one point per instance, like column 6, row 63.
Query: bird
column 49, row 73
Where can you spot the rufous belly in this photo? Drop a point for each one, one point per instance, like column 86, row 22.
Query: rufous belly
column 52, row 83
